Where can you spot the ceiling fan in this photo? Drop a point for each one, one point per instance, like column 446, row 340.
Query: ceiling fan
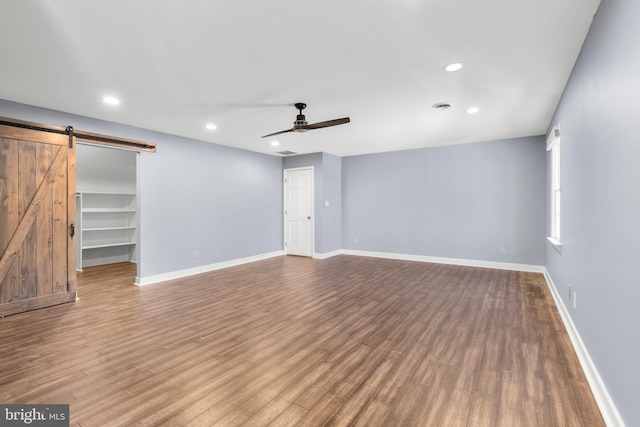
column 301, row 125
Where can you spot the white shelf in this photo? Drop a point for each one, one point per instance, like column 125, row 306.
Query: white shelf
column 109, row 245
column 107, row 210
column 107, row 193
column 108, row 227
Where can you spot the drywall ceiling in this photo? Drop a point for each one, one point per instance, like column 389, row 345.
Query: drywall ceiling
column 178, row 65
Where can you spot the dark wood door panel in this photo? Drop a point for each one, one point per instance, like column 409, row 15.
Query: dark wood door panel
column 36, row 212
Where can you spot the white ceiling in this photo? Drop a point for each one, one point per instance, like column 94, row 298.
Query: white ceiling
column 178, row 65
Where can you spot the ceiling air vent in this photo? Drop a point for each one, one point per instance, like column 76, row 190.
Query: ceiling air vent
column 286, row 153
column 441, row 106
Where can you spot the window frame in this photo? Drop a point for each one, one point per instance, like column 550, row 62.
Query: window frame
column 555, row 194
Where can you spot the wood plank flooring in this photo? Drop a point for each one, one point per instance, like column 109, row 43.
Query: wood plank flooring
column 294, row 341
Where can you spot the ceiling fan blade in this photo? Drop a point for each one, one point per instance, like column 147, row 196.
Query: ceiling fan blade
column 327, row 124
column 300, row 125
column 278, row 133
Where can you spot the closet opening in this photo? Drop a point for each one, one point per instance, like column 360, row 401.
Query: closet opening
column 106, row 205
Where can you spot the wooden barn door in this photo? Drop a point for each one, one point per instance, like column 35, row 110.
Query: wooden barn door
column 37, row 219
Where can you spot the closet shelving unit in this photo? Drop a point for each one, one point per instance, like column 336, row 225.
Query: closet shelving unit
column 107, row 224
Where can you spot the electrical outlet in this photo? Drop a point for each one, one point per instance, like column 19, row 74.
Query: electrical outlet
column 355, row 240
column 196, row 254
column 503, row 250
column 575, row 298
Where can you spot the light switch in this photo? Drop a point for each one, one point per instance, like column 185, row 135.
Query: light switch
column 326, row 203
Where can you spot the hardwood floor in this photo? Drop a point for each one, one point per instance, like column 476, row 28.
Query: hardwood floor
column 294, row 341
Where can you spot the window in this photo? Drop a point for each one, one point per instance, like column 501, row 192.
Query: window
column 553, row 145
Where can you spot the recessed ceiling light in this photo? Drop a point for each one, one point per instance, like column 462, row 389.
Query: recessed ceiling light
column 111, row 100
column 454, row 66
column 211, row 126
column 275, row 143
column 473, row 110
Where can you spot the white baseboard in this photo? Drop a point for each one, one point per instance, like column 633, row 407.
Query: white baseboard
column 142, row 281
column 326, row 255
column 607, row 407
column 453, row 261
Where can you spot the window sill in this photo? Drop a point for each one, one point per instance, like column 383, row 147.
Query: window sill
column 556, row 243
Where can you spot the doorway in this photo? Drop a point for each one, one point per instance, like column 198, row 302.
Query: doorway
column 298, row 211
column 106, row 205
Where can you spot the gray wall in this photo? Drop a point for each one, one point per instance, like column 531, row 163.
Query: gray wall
column 332, row 214
column 105, row 169
column 598, row 118
column 463, row 201
column 223, row 202
column 192, row 195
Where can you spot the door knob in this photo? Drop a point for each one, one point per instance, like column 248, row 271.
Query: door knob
column 309, row 218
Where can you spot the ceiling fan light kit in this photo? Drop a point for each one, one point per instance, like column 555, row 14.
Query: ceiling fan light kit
column 301, row 124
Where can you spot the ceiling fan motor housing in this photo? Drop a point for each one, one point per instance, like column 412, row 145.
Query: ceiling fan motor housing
column 300, row 120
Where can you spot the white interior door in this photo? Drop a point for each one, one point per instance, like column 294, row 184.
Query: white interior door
column 298, row 211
